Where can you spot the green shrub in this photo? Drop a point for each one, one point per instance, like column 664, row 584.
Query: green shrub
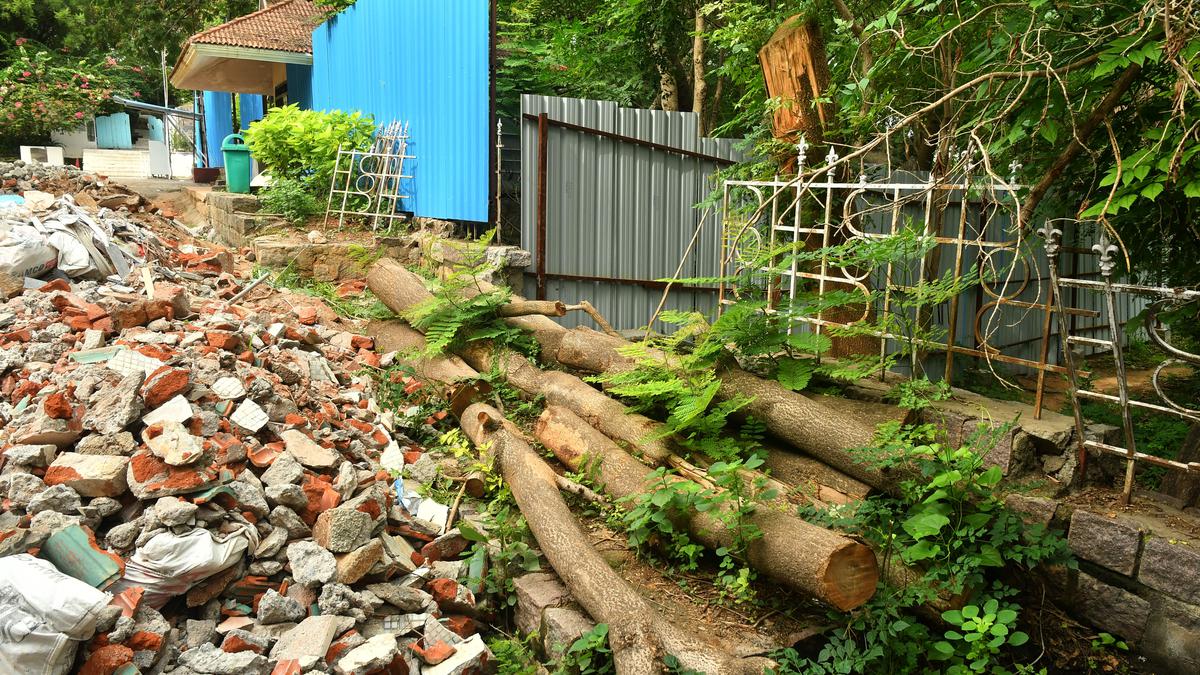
column 303, row 144
column 291, row 199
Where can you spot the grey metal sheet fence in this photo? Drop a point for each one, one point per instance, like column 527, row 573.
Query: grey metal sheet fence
column 617, row 210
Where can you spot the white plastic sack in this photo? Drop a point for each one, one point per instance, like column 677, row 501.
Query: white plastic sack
column 25, row 252
column 169, row 564
column 73, row 257
column 44, row 614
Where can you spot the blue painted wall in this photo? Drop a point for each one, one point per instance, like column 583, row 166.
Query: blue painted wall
column 113, row 132
column 299, row 84
column 424, row 62
column 218, row 123
column 250, row 108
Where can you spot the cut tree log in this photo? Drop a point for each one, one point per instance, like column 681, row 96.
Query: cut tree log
column 833, row 568
column 819, row 430
column 639, row 636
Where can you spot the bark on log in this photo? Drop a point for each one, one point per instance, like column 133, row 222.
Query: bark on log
column 834, row 569
column 820, row 430
column 639, row 636
column 826, row 485
column 532, row 307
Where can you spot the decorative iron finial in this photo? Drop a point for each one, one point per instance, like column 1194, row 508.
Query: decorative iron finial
column 1052, row 237
column 862, row 181
column 1105, row 250
column 1014, row 167
column 831, row 156
column 801, row 154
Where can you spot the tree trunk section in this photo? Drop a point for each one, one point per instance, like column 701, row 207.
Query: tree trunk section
column 699, row 83
column 807, row 558
column 641, row 636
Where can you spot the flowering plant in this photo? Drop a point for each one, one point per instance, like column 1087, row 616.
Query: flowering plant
column 43, row 91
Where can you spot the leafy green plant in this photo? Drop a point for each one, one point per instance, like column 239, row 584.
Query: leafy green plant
column 507, row 543
column 589, row 655
column 654, row 516
column 363, row 305
column 303, row 144
column 514, row 656
column 463, row 310
column 291, row 199
column 977, row 637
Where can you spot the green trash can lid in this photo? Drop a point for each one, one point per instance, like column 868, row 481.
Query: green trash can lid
column 234, row 143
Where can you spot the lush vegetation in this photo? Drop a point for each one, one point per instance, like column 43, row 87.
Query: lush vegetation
column 42, row 91
column 303, row 144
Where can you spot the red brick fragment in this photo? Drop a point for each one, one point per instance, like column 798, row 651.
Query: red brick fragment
column 106, row 660
column 57, row 406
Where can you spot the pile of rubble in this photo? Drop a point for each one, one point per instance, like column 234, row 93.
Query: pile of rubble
column 193, row 482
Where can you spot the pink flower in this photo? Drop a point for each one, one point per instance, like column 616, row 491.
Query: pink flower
column 110, row 61
column 79, row 115
column 18, row 104
column 137, row 69
column 26, row 73
column 137, row 94
column 21, row 41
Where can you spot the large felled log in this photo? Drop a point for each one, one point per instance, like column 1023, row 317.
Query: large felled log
column 639, row 636
column 401, row 290
column 820, row 430
column 834, row 569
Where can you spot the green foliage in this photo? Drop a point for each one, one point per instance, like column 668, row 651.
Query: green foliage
column 656, row 516
column 589, row 655
column 332, row 7
column 514, row 656
column 949, row 524
column 362, row 306
column 303, row 144
column 462, row 310
column 977, row 637
column 507, row 542
column 42, row 91
column 1153, row 433
column 291, row 199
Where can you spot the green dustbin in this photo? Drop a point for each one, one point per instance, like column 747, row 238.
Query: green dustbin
column 237, row 164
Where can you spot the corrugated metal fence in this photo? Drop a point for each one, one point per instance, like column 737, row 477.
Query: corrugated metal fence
column 619, row 215
column 427, row 63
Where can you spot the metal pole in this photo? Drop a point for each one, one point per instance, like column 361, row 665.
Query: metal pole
column 167, row 116
column 543, row 141
column 499, row 191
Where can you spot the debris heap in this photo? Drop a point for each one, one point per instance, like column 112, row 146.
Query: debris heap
column 194, row 485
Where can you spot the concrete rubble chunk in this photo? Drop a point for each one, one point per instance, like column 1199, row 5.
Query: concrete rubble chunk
column 177, row 410
column 89, row 475
column 32, row 455
column 372, row 655
column 210, row 660
column 249, row 416
column 175, row 445
column 342, row 530
column 285, row 469
column 405, row 598
column 117, row 445
column 117, row 406
column 199, row 632
column 561, row 627
column 309, row 641
column 535, row 593
column 353, row 566
column 172, row 511
column 308, row 452
column 271, row 544
column 283, row 517
column 311, row 564
column 469, row 655
column 287, row 494
column 276, row 608
column 58, row 498
column 229, row 388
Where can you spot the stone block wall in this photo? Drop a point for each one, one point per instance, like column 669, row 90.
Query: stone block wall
column 235, row 218
column 506, row 264
column 1138, row 579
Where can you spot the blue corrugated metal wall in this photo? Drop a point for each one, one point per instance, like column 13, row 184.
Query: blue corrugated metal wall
column 425, row 62
column 299, row 83
column 250, row 109
column 218, row 123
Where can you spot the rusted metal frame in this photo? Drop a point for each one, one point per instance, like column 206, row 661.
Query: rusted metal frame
column 543, row 121
column 826, row 237
column 913, row 358
column 1133, row 403
column 887, row 282
column 1191, row 467
column 631, row 140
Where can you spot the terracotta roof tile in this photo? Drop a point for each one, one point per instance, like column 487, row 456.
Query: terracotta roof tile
column 285, row 27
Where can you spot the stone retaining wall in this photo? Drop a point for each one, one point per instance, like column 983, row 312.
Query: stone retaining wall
column 235, row 218
column 1138, row 579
